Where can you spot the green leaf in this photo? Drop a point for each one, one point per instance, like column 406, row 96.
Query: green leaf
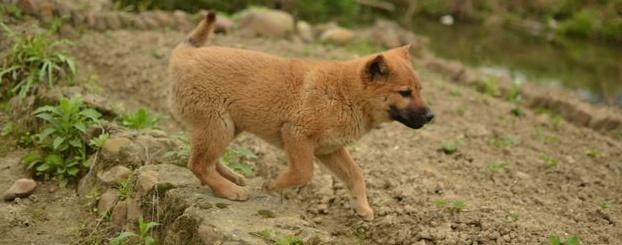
column 91, row 114
column 149, row 240
column 45, row 133
column 573, row 241
column 46, row 108
column 57, row 142
column 73, row 171
column 80, row 126
column 54, row 159
column 122, row 237
column 554, row 240
column 43, row 168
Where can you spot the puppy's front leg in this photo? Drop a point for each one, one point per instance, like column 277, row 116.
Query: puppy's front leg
column 342, row 165
column 299, row 149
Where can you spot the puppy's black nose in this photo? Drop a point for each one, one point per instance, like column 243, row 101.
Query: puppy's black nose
column 429, row 116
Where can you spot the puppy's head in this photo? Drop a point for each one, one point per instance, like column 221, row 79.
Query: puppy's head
column 393, row 90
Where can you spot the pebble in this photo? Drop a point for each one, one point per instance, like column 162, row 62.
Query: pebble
column 21, row 188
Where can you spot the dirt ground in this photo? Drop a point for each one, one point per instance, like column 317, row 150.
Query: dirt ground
column 520, row 179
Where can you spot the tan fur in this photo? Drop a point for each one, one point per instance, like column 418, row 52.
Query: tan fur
column 309, row 108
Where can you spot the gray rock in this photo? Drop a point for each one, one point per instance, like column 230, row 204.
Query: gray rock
column 269, row 23
column 119, row 213
column 107, row 201
column 114, row 175
column 113, row 146
column 21, row 188
column 304, row 31
column 164, row 176
column 338, row 36
column 146, row 180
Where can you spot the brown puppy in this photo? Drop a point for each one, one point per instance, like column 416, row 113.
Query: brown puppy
column 309, row 108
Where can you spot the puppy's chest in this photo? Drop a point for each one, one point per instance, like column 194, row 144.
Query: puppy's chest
column 335, row 138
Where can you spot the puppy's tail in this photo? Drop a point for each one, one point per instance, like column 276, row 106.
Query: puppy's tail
column 198, row 36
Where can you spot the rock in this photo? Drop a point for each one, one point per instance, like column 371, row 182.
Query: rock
column 223, row 24
column 447, row 20
column 150, row 20
column 21, row 188
column 28, row 6
column 113, row 146
column 46, row 11
column 115, row 175
column 338, row 35
column 164, row 176
column 264, row 22
column 304, row 31
column 146, row 180
column 126, row 19
column 163, row 19
column 90, row 19
column 67, row 31
column 133, row 211
column 119, row 213
column 113, row 21
column 107, row 201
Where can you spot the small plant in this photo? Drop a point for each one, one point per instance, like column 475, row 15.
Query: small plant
column 496, row 166
column 139, row 119
column 556, row 240
column 594, row 153
column 33, row 60
column 8, row 129
column 450, row 147
column 517, row 112
column 363, row 47
column 62, row 141
column 604, row 205
column 505, row 141
column 550, row 161
column 490, row 87
column 233, row 158
column 453, row 207
column 99, row 141
column 277, row 238
column 513, row 93
column 125, row 188
column 183, row 152
column 512, row 217
column 143, row 234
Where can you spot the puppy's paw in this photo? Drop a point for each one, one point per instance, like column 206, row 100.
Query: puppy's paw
column 363, row 210
column 234, row 193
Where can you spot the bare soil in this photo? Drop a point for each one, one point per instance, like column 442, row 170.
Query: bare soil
column 556, row 178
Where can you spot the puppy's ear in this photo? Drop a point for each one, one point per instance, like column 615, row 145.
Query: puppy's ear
column 376, row 69
column 403, row 51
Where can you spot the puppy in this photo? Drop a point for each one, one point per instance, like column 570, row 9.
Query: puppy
column 309, row 108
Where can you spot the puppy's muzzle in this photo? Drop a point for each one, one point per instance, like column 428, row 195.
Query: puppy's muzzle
column 412, row 117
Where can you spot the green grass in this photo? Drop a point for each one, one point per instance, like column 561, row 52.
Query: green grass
column 505, row 141
column 99, row 141
column 139, row 119
column 550, row 161
column 125, row 188
column 31, row 61
column 62, row 144
column 364, row 47
column 235, row 159
column 557, row 240
column 450, row 147
column 144, row 236
column 490, row 87
column 277, row 238
column 496, row 166
column 453, row 207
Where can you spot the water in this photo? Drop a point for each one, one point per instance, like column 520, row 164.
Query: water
column 591, row 68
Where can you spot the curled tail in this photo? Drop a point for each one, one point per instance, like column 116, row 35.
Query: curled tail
column 198, row 36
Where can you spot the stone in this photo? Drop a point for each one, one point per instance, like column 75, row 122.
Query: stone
column 119, row 214
column 163, row 18
column 46, row 11
column 113, row 146
column 113, row 21
column 338, row 36
column 100, row 22
column 269, row 23
column 21, row 188
column 28, row 6
column 223, row 24
column 146, row 180
column 150, row 20
column 107, row 201
column 115, row 175
column 134, row 212
column 126, row 19
column 304, row 31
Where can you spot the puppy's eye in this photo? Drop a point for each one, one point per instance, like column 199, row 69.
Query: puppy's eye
column 406, row 93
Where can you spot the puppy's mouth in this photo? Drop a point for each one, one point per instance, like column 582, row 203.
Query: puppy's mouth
column 410, row 118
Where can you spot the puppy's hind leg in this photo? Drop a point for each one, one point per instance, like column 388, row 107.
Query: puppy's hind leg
column 207, row 144
column 342, row 165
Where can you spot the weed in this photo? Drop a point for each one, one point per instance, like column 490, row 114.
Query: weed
column 125, row 188
column 550, row 161
column 604, row 205
column 489, row 87
column 455, row 92
column 10, row 10
column 64, row 149
column 8, row 129
column 363, row 47
column 594, row 153
column 496, row 166
column 450, row 147
column 33, row 60
column 277, row 238
column 505, row 141
column 556, row 240
column 453, row 207
column 183, row 152
column 99, row 141
column 139, row 119
column 517, row 112
column 233, row 158
column 143, row 234
column 513, row 94
column 512, row 217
